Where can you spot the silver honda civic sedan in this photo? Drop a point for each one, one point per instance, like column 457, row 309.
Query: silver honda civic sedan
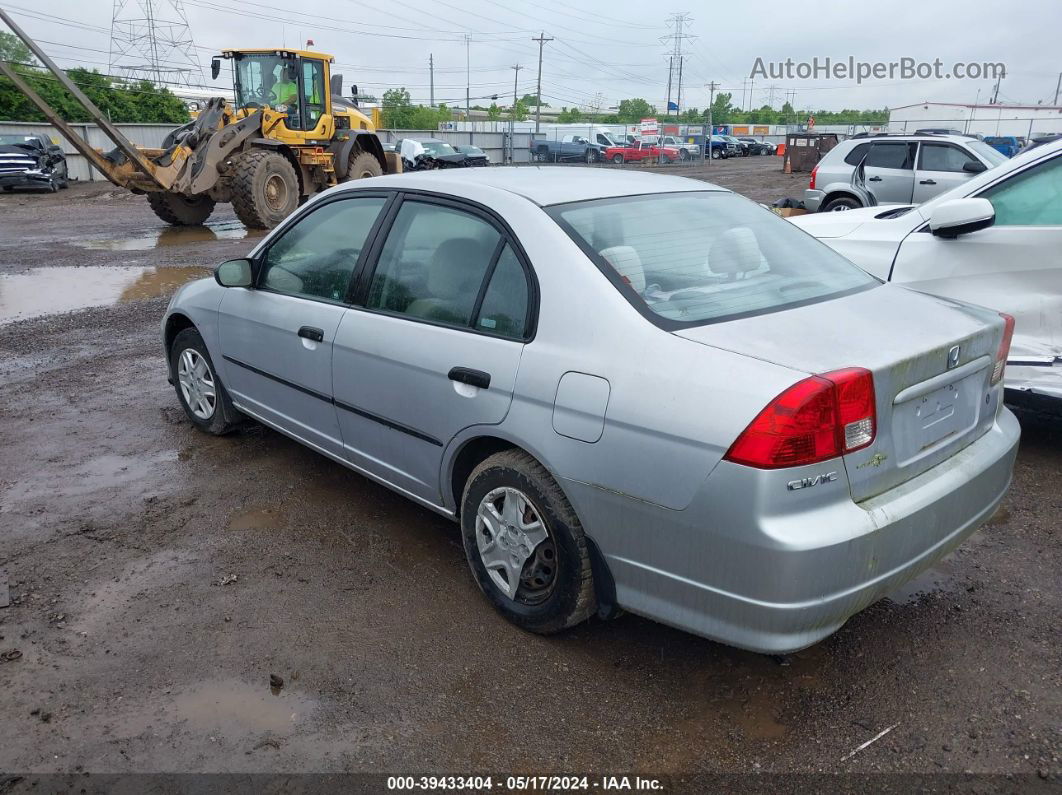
column 632, row 391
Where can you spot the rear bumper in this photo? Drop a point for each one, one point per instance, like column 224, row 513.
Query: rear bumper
column 813, row 199
column 753, row 565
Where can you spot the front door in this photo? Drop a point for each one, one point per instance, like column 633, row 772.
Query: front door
column 941, row 166
column 436, row 344
column 889, row 171
column 276, row 338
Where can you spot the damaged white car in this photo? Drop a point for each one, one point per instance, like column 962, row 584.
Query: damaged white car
column 995, row 240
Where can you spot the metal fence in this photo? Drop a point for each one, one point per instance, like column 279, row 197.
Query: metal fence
column 495, row 144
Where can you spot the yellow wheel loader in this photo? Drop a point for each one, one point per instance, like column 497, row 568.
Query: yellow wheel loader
column 289, row 135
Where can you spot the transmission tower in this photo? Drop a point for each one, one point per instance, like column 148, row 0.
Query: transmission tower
column 151, row 40
column 677, row 22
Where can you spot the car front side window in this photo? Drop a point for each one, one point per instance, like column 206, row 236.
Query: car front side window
column 943, row 157
column 1032, row 198
column 316, row 257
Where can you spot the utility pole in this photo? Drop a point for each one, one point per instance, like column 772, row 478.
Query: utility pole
column 1058, row 86
column 770, row 95
column 711, row 101
column 431, row 73
column 468, row 81
column 995, row 94
column 751, row 84
column 542, row 39
column 670, row 71
column 678, row 21
column 512, row 123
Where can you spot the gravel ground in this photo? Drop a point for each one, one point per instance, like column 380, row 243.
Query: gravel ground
column 159, row 577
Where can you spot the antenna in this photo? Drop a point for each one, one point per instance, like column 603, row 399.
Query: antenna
column 151, row 40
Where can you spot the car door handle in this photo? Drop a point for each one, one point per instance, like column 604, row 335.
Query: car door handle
column 874, row 179
column 466, row 375
column 311, row 333
column 927, row 182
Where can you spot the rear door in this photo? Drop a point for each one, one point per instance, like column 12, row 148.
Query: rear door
column 276, row 338
column 435, row 342
column 940, row 168
column 889, row 169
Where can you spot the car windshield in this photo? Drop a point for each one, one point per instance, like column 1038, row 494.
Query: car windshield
column 706, row 256
column 439, row 147
column 993, row 156
column 8, row 140
column 469, row 150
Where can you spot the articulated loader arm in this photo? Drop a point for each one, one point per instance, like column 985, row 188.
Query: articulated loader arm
column 125, row 146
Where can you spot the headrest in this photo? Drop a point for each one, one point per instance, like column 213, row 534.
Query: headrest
column 627, row 263
column 735, row 251
column 455, row 264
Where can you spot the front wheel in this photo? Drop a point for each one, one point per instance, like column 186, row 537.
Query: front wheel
column 715, row 154
column 525, row 545
column 265, row 189
column 181, row 210
column 199, row 390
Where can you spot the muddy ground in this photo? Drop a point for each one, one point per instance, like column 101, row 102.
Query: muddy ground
column 159, row 577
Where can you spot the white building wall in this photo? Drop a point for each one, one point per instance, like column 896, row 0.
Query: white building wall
column 1018, row 120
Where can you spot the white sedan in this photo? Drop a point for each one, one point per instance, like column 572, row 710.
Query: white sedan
column 995, row 240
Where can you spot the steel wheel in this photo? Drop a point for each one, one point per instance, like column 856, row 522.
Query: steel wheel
column 197, row 383
column 515, row 546
column 276, row 192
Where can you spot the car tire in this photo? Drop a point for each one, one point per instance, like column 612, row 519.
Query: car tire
column 617, row 159
column 189, row 357
column 840, row 204
column 716, row 155
column 554, row 589
column 591, row 156
column 665, row 159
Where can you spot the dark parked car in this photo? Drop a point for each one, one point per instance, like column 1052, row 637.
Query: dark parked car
column 425, row 154
column 31, row 161
column 757, row 147
column 474, row 155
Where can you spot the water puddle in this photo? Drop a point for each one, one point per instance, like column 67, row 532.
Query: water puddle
column 234, row 708
column 167, row 236
column 257, row 519
column 51, row 290
column 928, row 582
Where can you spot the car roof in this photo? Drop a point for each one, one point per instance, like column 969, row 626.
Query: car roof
column 543, row 185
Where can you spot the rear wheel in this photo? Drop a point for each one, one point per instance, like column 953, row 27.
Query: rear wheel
column 840, row 204
column 265, row 189
column 525, row 545
column 363, row 165
column 180, row 210
column 617, row 159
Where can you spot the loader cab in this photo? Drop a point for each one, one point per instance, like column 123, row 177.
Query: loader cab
column 291, row 82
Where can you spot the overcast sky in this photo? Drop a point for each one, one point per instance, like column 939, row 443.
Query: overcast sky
column 613, row 49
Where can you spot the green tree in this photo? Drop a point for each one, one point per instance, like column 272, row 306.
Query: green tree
column 399, row 113
column 531, row 100
column 494, row 112
column 14, row 50
column 140, row 102
column 631, row 110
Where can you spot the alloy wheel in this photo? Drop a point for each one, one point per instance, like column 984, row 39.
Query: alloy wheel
column 197, row 383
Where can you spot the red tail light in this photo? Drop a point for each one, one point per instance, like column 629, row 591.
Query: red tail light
column 1004, row 348
column 814, row 173
column 816, row 419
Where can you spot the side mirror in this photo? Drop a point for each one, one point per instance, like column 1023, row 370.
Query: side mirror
column 354, row 95
column 961, row 216
column 234, row 273
column 974, row 167
column 215, row 68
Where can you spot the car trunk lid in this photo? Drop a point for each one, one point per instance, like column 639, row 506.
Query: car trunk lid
column 931, row 359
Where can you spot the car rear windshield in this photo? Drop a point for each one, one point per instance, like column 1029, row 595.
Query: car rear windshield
column 703, row 257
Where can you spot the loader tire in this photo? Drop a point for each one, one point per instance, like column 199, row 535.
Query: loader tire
column 362, row 165
column 181, row 210
column 265, row 189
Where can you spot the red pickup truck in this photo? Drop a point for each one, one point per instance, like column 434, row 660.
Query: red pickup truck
column 642, row 151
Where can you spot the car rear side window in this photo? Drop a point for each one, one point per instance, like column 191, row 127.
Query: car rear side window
column 316, row 256
column 690, row 258
column 433, row 263
column 857, row 154
column 505, row 304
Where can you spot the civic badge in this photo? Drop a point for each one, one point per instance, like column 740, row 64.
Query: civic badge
column 953, row 356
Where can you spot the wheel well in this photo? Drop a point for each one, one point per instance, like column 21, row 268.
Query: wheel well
column 369, row 142
column 175, row 324
column 468, row 458
column 829, row 197
column 481, row 448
